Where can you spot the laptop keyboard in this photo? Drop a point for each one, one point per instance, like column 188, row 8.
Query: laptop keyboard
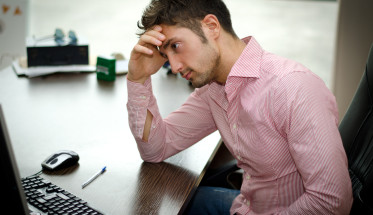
column 51, row 199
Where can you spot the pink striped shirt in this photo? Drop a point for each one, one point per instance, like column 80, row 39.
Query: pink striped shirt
column 278, row 120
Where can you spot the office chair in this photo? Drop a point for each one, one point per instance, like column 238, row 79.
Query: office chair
column 356, row 130
column 222, row 171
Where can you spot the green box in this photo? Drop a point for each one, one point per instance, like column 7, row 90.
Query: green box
column 105, row 68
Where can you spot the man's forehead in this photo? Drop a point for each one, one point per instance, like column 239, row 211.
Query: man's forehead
column 171, row 29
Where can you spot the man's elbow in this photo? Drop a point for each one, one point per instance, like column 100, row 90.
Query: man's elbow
column 151, row 160
column 151, row 157
column 344, row 201
column 346, row 204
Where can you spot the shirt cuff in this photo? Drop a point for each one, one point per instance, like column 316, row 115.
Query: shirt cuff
column 139, row 94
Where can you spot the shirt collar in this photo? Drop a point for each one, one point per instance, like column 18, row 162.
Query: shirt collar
column 248, row 64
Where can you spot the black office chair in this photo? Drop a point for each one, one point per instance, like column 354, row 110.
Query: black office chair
column 356, row 130
column 222, row 171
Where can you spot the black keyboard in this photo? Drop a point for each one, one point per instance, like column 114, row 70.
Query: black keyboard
column 51, row 199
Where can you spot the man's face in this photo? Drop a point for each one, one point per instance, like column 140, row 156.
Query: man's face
column 188, row 55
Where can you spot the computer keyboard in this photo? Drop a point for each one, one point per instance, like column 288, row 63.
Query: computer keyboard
column 51, row 199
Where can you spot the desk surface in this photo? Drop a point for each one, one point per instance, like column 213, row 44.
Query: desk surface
column 77, row 112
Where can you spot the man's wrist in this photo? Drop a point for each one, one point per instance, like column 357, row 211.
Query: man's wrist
column 137, row 80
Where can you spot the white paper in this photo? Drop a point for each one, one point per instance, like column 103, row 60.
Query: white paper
column 46, row 70
column 121, row 67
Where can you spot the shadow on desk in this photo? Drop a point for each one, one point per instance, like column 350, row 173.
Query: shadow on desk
column 165, row 185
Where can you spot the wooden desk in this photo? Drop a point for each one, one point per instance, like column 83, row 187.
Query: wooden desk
column 77, row 112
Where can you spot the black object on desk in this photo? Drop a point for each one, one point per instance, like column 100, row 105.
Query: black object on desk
column 57, row 51
column 14, row 200
column 60, row 159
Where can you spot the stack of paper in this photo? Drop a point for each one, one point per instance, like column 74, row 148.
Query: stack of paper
column 21, row 69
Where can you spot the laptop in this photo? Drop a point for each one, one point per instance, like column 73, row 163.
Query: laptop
column 20, row 199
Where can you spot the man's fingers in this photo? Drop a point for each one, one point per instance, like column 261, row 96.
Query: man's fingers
column 148, row 39
column 143, row 49
column 157, row 28
column 156, row 34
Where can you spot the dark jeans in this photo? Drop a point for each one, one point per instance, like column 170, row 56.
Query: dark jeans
column 211, row 200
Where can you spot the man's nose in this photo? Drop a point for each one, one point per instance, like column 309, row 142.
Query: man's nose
column 176, row 65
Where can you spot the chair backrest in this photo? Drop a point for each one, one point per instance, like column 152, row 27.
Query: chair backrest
column 356, row 130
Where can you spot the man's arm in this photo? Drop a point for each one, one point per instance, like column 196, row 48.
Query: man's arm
column 158, row 139
column 315, row 145
column 166, row 137
column 145, row 60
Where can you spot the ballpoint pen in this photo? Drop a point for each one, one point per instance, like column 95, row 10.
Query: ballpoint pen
column 94, row 177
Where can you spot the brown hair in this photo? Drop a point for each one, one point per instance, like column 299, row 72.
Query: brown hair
column 185, row 13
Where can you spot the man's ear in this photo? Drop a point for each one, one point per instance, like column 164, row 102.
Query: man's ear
column 211, row 26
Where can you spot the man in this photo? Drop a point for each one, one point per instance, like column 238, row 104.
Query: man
column 275, row 116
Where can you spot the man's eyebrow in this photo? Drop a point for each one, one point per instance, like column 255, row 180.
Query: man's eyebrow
column 167, row 43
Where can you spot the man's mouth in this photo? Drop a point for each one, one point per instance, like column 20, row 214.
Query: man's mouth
column 187, row 75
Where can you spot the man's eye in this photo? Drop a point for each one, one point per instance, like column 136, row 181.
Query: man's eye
column 175, row 46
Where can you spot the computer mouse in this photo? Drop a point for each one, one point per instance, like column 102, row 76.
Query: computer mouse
column 59, row 160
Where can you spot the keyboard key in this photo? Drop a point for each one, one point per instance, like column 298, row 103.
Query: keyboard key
column 62, row 196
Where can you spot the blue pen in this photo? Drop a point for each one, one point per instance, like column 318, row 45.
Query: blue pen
column 94, row 177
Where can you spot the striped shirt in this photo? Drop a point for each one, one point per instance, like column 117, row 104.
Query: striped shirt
column 278, row 120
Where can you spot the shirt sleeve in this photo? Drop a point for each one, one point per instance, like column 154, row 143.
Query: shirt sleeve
column 178, row 131
column 310, row 121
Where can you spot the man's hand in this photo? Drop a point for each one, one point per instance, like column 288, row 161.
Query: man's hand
column 145, row 58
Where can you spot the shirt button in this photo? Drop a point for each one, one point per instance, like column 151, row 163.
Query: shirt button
column 248, row 177
column 248, row 203
column 239, row 157
column 143, row 97
column 234, row 126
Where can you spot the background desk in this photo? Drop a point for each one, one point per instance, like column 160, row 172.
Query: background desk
column 77, row 112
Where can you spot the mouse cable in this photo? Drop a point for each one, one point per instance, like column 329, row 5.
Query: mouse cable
column 37, row 174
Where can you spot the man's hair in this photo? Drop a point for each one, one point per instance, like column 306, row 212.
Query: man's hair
column 185, row 13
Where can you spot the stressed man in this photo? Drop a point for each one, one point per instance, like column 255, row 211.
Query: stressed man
column 275, row 116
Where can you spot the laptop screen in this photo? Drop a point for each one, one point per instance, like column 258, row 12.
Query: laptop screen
column 12, row 191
